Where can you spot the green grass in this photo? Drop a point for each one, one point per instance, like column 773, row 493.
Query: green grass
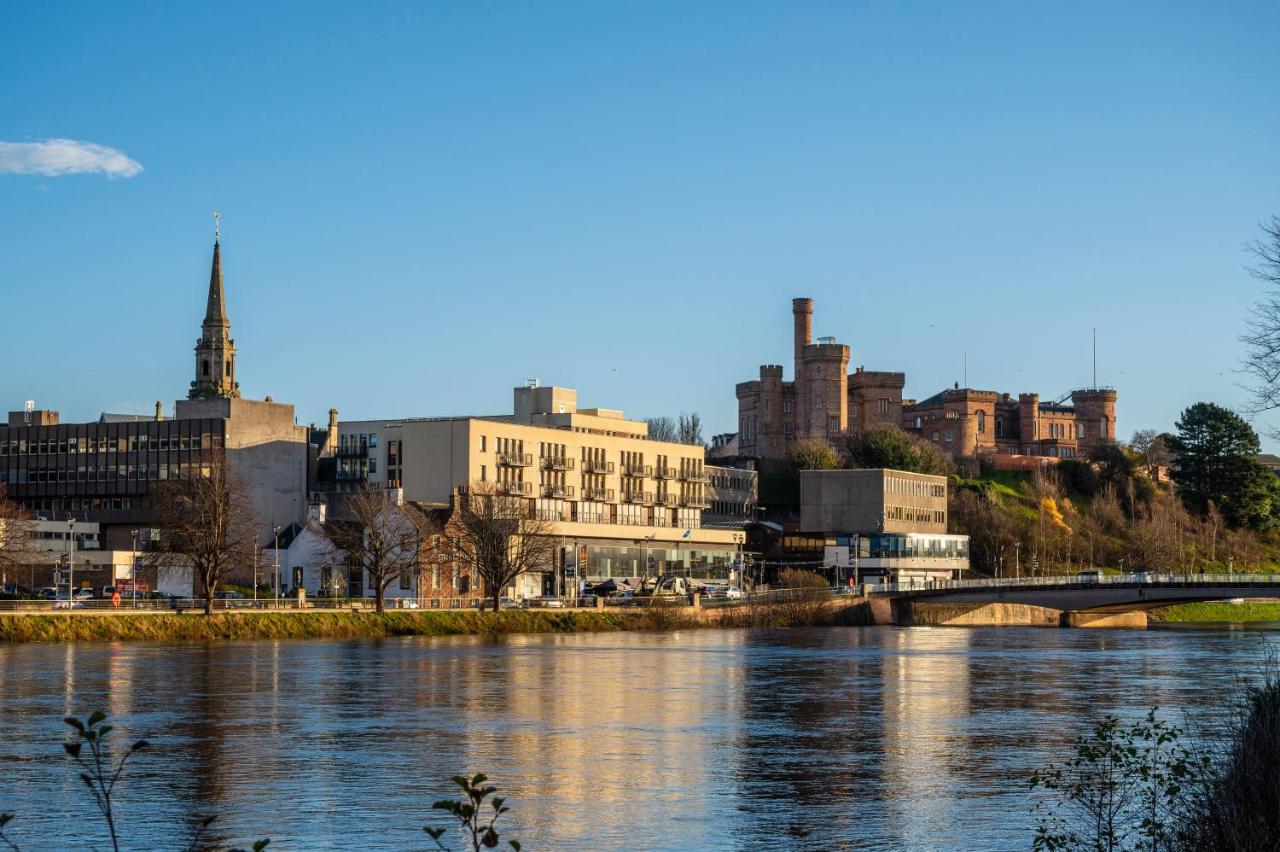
column 1217, row 611
column 308, row 625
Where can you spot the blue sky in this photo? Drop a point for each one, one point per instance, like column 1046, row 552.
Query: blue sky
column 424, row 204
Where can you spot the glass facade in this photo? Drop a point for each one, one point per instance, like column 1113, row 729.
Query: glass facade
column 911, row 546
column 604, row 561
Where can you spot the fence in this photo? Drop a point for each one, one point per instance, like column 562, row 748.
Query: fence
column 1085, row 581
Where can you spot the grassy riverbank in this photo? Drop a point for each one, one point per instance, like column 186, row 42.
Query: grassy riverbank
column 1218, row 611
column 302, row 625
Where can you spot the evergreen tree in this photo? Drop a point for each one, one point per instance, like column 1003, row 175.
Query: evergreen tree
column 1216, row 463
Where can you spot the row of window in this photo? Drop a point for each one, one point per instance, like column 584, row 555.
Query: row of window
column 56, row 505
column 915, row 514
column 914, row 487
column 105, row 444
column 109, row 473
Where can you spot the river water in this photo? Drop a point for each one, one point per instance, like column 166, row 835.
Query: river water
column 868, row 738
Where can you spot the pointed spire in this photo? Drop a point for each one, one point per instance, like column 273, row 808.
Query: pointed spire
column 216, row 311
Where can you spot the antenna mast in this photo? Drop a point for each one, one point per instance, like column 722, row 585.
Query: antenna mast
column 1095, row 357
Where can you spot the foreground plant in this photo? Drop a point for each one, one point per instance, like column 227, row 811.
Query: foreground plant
column 1121, row 790
column 470, row 813
column 96, row 771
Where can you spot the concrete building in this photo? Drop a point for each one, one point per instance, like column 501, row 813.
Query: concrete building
column 104, row 471
column 44, row 561
column 825, row 401
column 874, row 525
column 623, row 505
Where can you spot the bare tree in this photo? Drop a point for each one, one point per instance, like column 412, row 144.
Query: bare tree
column 662, row 429
column 1262, row 327
column 15, row 536
column 689, row 428
column 386, row 537
column 207, row 524
column 1155, row 453
column 499, row 538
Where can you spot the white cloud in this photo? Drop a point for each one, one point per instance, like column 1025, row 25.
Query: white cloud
column 54, row 157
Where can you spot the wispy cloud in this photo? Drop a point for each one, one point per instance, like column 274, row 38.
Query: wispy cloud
column 54, row 157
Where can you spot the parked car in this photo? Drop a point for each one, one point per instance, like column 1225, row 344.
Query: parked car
column 48, row 593
column 84, row 594
column 547, row 601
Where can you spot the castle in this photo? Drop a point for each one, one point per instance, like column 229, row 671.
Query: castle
column 825, row 401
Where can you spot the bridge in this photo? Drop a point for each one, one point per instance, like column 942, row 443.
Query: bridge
column 1119, row 600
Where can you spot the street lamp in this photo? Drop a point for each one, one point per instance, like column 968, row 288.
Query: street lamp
column 277, row 580
column 71, row 561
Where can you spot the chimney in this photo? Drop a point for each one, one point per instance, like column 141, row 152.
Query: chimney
column 331, row 439
column 159, row 410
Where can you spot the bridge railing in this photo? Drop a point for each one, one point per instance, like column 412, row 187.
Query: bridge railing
column 1077, row 581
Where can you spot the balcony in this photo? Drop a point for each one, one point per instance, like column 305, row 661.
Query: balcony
column 667, row 500
column 637, row 470
column 352, row 451
column 562, row 492
column 664, row 473
column 638, row 496
column 598, row 495
column 594, row 466
column 693, row 476
column 694, row 502
column 557, row 463
column 518, row 488
column 514, row 459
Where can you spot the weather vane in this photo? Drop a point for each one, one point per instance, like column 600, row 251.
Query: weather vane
column 217, row 226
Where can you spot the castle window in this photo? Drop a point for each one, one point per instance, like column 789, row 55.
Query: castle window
column 1079, row 430
column 833, row 424
column 999, row 426
column 204, row 366
column 788, row 406
column 949, row 435
column 982, row 422
column 1102, row 427
column 228, row 369
column 919, row 421
column 884, row 406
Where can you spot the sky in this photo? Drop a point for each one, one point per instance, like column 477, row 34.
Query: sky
column 425, row 204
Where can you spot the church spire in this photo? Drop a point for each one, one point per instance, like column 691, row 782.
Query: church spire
column 215, row 350
column 216, row 310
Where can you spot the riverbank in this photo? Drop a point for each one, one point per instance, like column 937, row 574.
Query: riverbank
column 1219, row 611
column 194, row 627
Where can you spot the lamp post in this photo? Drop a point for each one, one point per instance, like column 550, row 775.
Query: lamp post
column 134, row 572
column 71, row 562
column 277, row 580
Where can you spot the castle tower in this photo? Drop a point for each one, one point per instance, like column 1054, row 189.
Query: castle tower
column 802, row 318
column 215, row 350
column 1028, row 419
column 1095, row 416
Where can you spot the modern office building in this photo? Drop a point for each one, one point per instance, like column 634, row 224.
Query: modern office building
column 870, row 525
column 623, row 506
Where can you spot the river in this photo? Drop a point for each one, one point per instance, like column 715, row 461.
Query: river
column 874, row 738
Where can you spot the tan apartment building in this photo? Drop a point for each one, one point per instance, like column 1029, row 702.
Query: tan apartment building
column 623, row 505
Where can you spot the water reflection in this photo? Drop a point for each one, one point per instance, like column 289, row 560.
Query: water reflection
column 867, row 737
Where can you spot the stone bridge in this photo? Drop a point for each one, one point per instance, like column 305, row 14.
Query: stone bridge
column 1077, row 601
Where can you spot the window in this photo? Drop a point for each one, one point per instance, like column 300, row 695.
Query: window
column 406, row 580
column 949, row 435
column 484, row 473
column 482, row 442
column 884, row 406
column 919, row 421
column 204, row 366
column 982, row 422
column 788, row 406
column 833, row 424
column 1102, row 427
column 999, row 426
column 935, row 436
